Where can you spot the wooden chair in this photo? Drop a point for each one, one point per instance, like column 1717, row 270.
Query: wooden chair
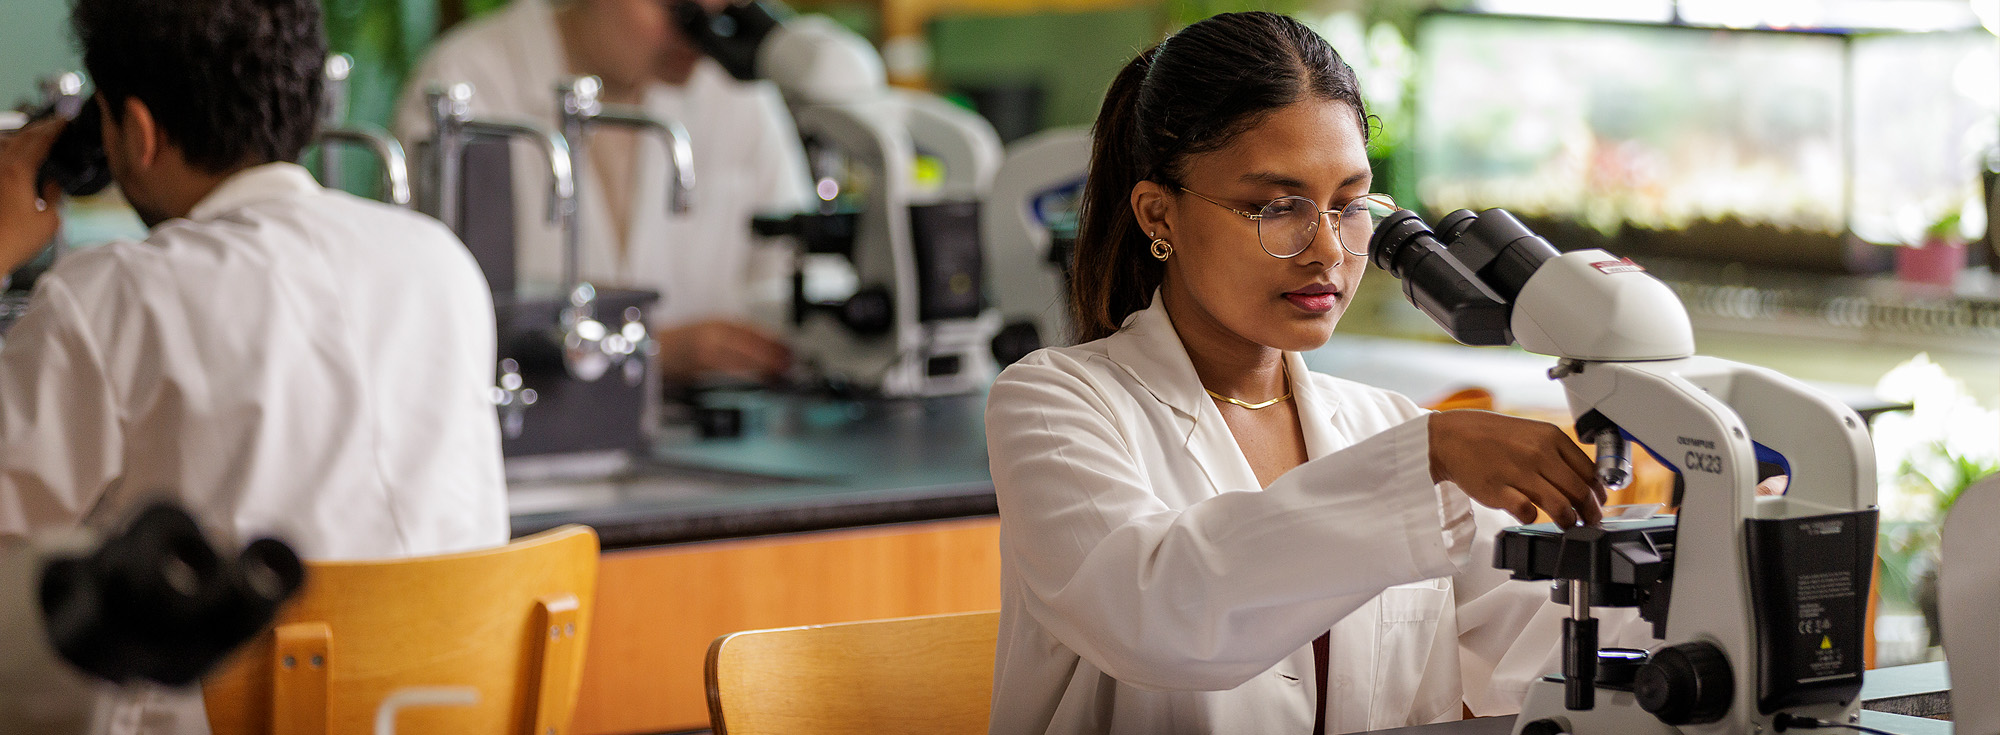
column 930, row 674
column 506, row 626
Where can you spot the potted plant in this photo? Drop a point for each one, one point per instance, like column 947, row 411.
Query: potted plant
column 1937, row 258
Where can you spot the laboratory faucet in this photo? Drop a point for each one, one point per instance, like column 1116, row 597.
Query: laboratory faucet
column 453, row 126
column 589, row 349
column 334, row 131
column 580, row 109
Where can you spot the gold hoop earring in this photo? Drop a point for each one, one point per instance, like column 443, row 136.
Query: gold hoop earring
column 1162, row 249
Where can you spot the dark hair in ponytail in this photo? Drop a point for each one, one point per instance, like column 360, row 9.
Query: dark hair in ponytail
column 1193, row 93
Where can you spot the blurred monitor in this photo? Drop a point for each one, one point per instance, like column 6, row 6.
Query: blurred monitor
column 1806, row 150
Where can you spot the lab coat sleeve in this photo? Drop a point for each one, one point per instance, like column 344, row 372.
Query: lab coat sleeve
column 60, row 441
column 1205, row 597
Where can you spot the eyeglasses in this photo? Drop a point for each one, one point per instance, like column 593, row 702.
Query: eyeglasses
column 1286, row 225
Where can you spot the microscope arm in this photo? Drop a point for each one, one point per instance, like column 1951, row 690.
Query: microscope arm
column 388, row 152
column 966, row 142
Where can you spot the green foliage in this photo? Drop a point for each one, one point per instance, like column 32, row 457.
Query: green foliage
column 1909, row 548
column 1946, row 228
column 1183, row 13
column 386, row 38
column 1947, row 475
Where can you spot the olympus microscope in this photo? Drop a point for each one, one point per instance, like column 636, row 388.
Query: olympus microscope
column 576, row 372
column 1759, row 603
column 153, row 603
column 919, row 323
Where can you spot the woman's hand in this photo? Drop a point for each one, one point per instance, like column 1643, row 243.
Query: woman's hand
column 1516, row 465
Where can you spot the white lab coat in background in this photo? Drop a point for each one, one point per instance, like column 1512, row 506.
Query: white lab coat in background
column 287, row 360
column 1148, row 585
column 747, row 157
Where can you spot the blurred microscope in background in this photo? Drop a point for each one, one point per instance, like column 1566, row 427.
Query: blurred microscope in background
column 902, row 175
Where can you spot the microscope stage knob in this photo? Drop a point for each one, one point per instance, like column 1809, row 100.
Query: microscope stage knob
column 1686, row 684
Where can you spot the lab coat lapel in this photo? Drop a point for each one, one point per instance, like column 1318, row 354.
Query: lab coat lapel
column 1149, row 349
column 1317, row 409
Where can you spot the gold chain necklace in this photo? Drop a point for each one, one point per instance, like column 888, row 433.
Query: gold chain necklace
column 1255, row 406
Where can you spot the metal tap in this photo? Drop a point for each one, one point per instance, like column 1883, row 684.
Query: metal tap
column 452, row 126
column 512, row 397
column 334, row 131
column 578, row 104
column 580, row 109
column 582, row 337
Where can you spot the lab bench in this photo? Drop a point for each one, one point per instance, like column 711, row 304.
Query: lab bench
column 821, row 511
column 829, row 510
column 1906, row 700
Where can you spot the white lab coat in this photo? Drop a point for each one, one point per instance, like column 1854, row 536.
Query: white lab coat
column 747, row 157
column 1148, row 584
column 286, row 360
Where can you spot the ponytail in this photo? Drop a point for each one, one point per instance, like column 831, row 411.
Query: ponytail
column 1110, row 276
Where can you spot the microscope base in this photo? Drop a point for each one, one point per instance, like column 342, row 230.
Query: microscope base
column 1617, row 712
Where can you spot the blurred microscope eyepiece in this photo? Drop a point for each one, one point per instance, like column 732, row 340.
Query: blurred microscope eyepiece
column 158, row 603
column 76, row 161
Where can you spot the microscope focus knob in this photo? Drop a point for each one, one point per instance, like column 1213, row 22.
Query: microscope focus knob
column 870, row 312
column 1686, row 684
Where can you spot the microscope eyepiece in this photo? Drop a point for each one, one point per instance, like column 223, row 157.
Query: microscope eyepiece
column 76, row 162
column 1437, row 283
column 1392, row 240
column 1453, row 225
column 1466, row 273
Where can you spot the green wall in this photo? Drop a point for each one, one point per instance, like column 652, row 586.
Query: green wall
column 34, row 41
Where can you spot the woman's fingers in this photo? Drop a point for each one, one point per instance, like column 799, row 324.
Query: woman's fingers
column 1584, row 467
column 1506, row 462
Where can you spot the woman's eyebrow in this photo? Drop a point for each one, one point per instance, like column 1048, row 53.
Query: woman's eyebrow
column 1282, row 181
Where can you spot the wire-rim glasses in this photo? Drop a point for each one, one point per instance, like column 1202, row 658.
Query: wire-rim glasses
column 1286, row 225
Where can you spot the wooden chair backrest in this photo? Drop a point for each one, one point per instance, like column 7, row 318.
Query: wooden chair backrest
column 929, row 674
column 505, row 625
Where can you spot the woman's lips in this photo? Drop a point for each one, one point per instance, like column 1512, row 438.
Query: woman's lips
column 1314, row 301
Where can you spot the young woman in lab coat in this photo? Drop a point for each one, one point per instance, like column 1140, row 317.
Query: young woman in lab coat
column 1197, row 533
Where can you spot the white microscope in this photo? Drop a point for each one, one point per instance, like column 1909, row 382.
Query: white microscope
column 919, row 324
column 1761, row 617
column 1029, row 225
column 154, row 603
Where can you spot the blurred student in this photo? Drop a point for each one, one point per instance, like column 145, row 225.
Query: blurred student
column 716, row 280
column 281, row 358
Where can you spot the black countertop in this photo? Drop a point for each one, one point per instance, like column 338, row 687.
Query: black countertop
column 801, row 464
